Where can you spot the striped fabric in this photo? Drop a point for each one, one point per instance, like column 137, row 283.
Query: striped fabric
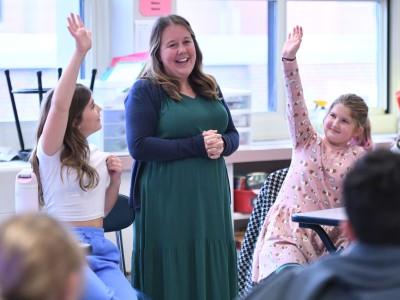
column 265, row 199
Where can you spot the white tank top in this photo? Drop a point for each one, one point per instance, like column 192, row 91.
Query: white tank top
column 63, row 197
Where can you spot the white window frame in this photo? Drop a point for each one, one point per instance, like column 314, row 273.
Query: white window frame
column 271, row 125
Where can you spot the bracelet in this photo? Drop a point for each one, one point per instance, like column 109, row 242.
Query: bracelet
column 288, row 59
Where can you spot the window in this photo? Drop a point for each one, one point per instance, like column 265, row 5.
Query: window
column 233, row 39
column 31, row 35
column 344, row 50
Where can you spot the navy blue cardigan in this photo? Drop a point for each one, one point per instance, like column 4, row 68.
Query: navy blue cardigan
column 142, row 106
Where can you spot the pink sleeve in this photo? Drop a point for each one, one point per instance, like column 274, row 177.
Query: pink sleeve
column 300, row 127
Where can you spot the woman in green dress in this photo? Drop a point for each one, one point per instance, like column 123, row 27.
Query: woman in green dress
column 178, row 130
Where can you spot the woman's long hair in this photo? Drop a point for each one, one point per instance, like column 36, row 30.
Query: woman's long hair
column 75, row 151
column 202, row 84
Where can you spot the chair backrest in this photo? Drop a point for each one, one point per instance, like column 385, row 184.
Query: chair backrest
column 15, row 111
column 92, row 79
column 120, row 217
column 266, row 198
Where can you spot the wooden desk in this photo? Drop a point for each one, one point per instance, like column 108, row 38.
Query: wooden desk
column 314, row 220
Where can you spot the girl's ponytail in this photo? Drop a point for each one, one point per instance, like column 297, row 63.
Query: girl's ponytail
column 365, row 139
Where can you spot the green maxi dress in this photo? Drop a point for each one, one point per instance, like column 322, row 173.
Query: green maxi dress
column 184, row 245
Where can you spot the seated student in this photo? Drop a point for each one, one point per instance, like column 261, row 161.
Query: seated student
column 369, row 268
column 78, row 184
column 316, row 172
column 39, row 260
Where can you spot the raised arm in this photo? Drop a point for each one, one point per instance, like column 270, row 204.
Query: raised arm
column 299, row 123
column 56, row 123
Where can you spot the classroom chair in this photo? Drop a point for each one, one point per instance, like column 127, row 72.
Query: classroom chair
column 40, row 90
column 120, row 217
column 266, row 198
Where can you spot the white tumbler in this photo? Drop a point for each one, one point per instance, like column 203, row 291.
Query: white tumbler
column 26, row 192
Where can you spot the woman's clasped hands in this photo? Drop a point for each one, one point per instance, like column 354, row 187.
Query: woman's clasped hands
column 214, row 143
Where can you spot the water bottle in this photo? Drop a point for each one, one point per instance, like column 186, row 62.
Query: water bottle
column 26, row 192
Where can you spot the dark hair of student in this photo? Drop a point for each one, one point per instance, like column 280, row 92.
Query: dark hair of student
column 372, row 199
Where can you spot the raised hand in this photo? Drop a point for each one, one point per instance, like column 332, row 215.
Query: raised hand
column 292, row 43
column 82, row 36
column 57, row 120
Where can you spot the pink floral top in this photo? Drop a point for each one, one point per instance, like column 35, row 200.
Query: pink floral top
column 313, row 182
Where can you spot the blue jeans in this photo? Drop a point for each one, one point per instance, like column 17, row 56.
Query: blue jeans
column 104, row 279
